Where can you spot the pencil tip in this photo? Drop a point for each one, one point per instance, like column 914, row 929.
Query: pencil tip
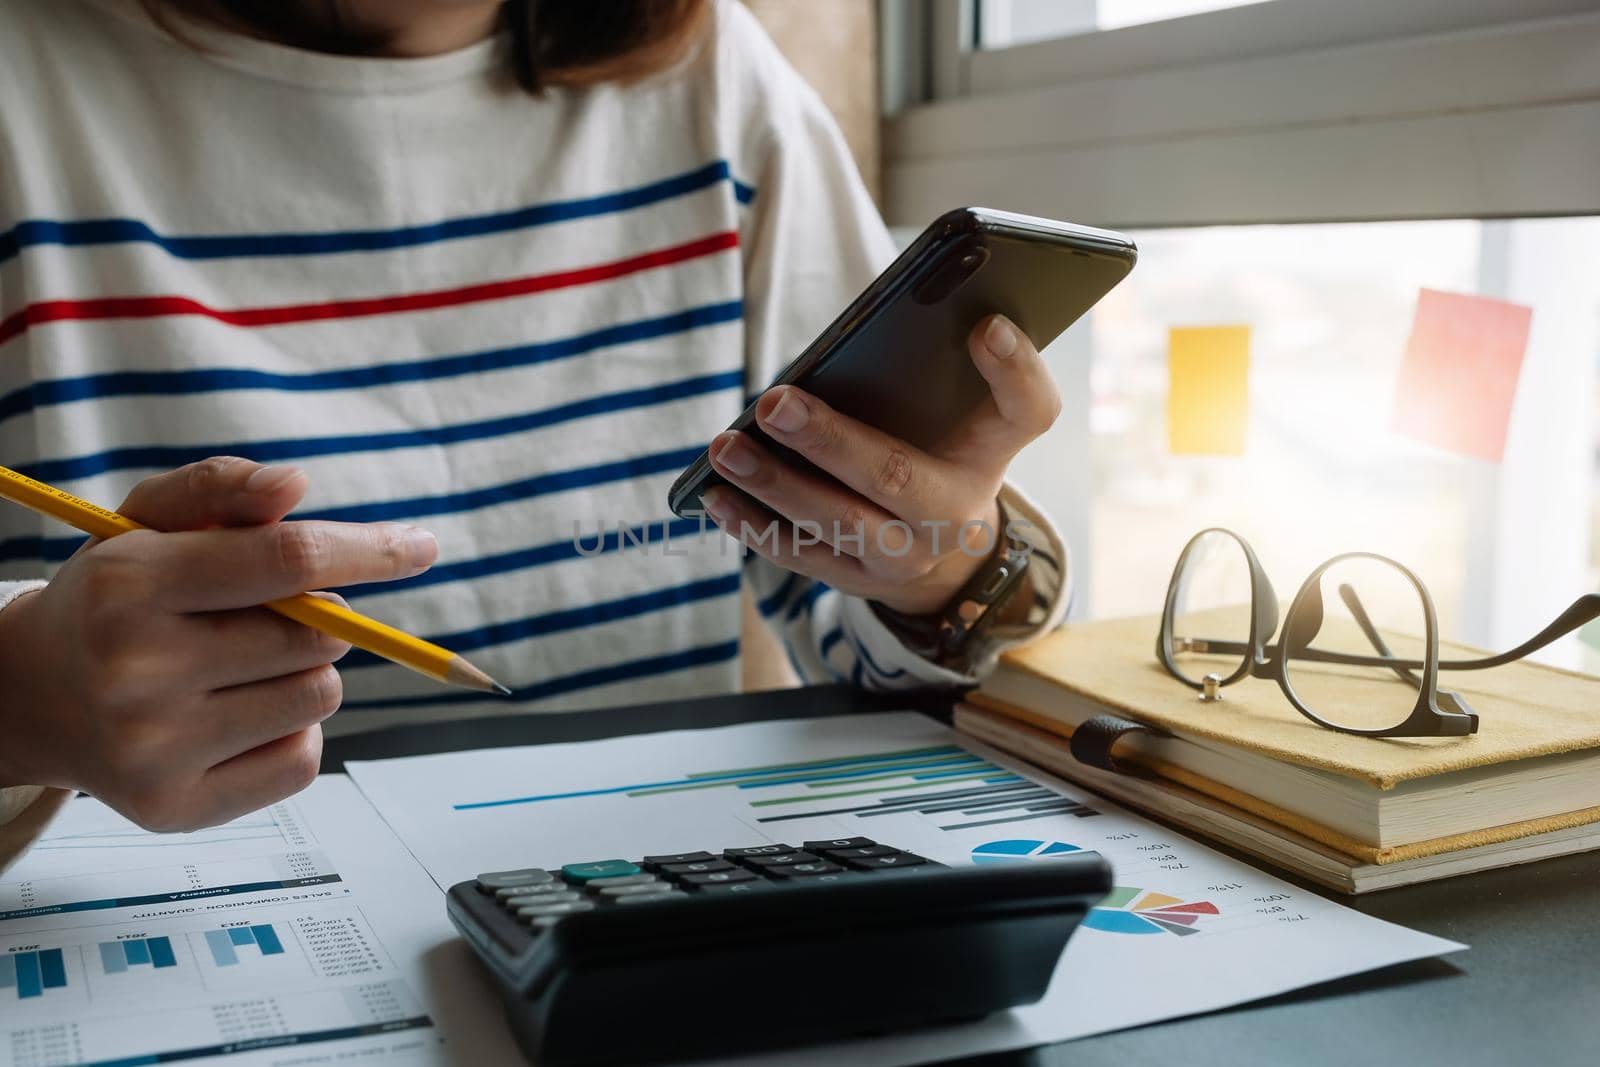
column 462, row 673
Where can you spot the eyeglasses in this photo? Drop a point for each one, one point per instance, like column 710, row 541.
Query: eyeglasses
column 1347, row 660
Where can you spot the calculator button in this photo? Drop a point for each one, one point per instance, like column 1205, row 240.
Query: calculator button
column 616, row 892
column 697, row 866
column 881, row 863
column 837, row 843
column 738, row 887
column 757, row 850
column 530, row 900
column 733, row 874
column 805, row 870
column 649, row 898
column 489, row 881
column 842, row 854
column 781, row 859
column 511, row 891
column 678, row 857
column 622, row 879
column 540, row 911
column 587, row 872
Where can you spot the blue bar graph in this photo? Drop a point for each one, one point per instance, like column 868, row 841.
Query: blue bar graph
column 28, row 981
column 225, row 944
column 267, row 939
column 221, row 944
column 161, row 952
column 112, row 960
column 52, row 969
column 31, row 973
column 117, row 956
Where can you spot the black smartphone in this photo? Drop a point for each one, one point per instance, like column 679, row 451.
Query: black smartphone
column 897, row 357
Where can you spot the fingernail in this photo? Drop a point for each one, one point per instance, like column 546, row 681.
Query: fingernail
column 738, row 457
column 267, row 479
column 1000, row 338
column 716, row 504
column 422, row 547
column 791, row 414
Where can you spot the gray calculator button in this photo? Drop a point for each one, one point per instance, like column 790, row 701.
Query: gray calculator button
column 510, row 891
column 539, row 900
column 541, row 911
column 619, row 891
column 648, row 898
column 492, row 880
column 622, row 880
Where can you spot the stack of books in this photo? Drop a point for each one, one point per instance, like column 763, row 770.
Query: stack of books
column 1351, row 813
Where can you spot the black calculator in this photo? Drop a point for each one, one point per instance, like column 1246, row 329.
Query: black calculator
column 721, row 953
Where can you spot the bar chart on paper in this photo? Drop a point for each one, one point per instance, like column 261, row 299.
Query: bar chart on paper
column 32, row 972
column 956, row 788
column 955, row 804
column 95, row 860
column 154, row 948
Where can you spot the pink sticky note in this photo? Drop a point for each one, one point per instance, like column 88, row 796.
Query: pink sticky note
column 1459, row 373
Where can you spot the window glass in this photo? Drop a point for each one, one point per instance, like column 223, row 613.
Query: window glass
column 1003, row 23
column 1323, row 470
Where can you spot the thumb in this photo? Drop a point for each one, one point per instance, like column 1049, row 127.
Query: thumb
column 221, row 491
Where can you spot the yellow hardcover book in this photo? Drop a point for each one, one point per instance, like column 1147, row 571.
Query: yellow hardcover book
column 1536, row 755
column 1342, row 865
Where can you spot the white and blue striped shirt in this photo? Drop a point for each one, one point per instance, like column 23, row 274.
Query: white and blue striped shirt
column 510, row 320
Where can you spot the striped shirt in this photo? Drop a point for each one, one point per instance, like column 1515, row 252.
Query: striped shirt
column 510, row 320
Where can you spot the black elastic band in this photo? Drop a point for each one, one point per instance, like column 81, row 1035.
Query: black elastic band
column 1093, row 739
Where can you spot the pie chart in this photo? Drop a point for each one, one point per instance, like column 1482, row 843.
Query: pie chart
column 1021, row 849
column 1129, row 910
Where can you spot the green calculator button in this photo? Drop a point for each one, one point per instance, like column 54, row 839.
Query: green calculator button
column 588, row 872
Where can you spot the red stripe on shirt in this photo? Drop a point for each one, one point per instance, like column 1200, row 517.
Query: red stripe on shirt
column 150, row 307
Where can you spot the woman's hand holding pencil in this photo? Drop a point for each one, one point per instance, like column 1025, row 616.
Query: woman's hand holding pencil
column 146, row 674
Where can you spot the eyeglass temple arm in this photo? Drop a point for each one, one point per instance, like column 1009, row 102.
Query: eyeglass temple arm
column 1583, row 611
column 1347, row 593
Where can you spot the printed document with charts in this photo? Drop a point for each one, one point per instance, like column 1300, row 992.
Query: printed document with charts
column 301, row 934
column 1186, row 930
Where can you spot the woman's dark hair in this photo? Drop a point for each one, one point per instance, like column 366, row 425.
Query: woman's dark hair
column 554, row 42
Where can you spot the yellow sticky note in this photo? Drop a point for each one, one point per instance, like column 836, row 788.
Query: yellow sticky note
column 1208, row 389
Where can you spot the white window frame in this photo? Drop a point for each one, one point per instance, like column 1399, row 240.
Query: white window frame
column 1288, row 111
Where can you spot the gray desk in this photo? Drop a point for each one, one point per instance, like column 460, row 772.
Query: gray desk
column 1528, row 992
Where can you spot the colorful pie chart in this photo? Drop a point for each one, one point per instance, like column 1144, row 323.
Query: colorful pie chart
column 1021, row 849
column 1129, row 910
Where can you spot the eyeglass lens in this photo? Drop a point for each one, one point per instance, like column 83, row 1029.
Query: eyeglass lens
column 1365, row 608
column 1210, row 622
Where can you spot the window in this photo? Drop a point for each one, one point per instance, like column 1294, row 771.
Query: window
column 1302, row 167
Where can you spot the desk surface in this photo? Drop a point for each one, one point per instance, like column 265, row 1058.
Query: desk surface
column 1527, row 992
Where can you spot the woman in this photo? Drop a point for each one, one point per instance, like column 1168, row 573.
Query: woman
column 498, row 271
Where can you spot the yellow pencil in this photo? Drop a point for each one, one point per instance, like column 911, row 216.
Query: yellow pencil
column 395, row 645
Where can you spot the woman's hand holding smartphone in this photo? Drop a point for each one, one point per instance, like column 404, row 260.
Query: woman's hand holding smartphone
column 898, row 524
column 875, row 461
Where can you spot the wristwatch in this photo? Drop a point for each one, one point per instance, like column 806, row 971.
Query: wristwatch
column 948, row 636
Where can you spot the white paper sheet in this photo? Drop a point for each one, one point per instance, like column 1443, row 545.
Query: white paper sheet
column 302, row 934
column 1229, row 934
